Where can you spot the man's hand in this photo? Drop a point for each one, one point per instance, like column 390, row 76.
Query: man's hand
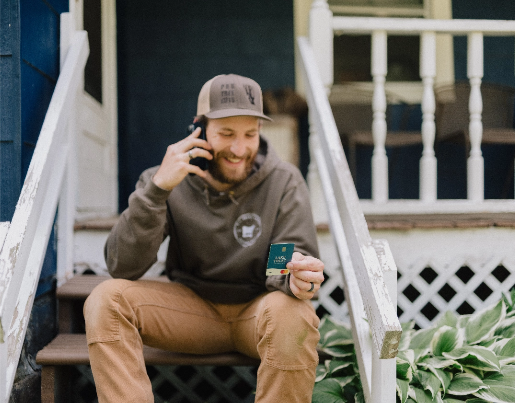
column 304, row 271
column 176, row 162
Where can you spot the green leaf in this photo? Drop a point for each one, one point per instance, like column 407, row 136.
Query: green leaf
column 509, row 348
column 404, row 370
column 402, row 390
column 444, row 377
column 338, row 351
column 337, row 368
column 478, row 400
column 429, row 382
column 481, row 325
column 421, row 396
column 359, row 398
column 446, row 339
column 463, row 321
column 448, row 400
column 498, row 394
column 506, row 328
column 465, row 384
column 331, row 328
column 447, row 319
column 328, row 391
column 440, row 362
column 321, row 372
column 476, row 357
column 421, row 339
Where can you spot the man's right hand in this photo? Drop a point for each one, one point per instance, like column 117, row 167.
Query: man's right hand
column 176, row 162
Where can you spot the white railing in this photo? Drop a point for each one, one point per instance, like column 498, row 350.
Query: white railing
column 323, row 26
column 47, row 184
column 369, row 271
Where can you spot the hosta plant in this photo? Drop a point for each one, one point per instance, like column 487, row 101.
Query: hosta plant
column 467, row 358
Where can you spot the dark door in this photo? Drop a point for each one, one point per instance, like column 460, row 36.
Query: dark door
column 167, row 49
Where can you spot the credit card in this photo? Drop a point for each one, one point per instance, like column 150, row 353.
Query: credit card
column 280, row 254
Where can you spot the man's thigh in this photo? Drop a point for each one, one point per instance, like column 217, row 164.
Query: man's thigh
column 167, row 315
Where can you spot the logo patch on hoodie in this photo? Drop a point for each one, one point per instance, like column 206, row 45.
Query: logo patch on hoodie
column 247, row 229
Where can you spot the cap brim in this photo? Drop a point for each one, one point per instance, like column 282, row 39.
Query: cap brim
column 225, row 113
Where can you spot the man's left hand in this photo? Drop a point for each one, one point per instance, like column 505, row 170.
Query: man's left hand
column 306, row 275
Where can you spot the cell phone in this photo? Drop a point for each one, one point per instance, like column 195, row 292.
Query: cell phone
column 198, row 161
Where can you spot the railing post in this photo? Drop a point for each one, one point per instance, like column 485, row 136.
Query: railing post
column 66, row 210
column 318, row 205
column 428, row 160
column 379, row 159
column 475, row 164
column 321, row 38
column 383, row 387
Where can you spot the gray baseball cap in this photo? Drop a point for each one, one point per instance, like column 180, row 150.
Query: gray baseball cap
column 230, row 95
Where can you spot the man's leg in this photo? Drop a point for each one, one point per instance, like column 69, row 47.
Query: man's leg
column 122, row 315
column 283, row 332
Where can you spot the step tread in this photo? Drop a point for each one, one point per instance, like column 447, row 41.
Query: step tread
column 80, row 286
column 72, row 349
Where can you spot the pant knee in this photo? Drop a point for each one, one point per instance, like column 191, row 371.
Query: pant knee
column 290, row 332
column 102, row 311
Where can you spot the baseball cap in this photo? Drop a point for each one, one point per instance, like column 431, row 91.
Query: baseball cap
column 230, row 95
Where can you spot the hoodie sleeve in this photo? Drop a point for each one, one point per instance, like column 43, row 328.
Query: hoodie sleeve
column 132, row 246
column 294, row 224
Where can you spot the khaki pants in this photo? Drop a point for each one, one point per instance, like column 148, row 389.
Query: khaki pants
column 122, row 315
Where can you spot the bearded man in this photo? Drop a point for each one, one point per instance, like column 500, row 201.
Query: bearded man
column 221, row 223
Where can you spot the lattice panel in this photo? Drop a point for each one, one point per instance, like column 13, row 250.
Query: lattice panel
column 181, row 384
column 426, row 290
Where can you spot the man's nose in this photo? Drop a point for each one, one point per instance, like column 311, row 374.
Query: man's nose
column 238, row 148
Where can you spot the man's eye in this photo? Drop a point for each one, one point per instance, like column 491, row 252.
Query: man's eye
column 226, row 134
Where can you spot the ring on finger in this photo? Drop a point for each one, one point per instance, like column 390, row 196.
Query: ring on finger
column 190, row 154
column 312, row 289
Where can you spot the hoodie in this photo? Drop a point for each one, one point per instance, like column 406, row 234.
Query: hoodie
column 219, row 241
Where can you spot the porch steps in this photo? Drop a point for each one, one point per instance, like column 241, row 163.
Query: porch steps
column 70, row 348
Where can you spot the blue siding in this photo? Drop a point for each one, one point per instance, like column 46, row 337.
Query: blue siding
column 10, row 113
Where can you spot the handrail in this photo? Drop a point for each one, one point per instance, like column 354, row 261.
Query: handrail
column 359, row 258
column 22, row 254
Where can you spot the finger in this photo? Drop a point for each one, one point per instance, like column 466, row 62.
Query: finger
column 306, row 263
column 308, row 276
column 302, row 289
column 198, row 152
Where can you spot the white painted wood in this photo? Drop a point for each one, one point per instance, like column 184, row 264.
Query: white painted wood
column 321, row 38
column 428, row 160
column 66, row 209
column 379, row 159
column 409, row 26
column 439, row 207
column 360, row 328
column 383, row 321
column 25, row 245
column 384, row 371
column 316, row 192
column 475, row 163
column 97, row 194
column 4, row 227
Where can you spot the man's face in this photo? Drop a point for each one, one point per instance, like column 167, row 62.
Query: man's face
column 235, row 142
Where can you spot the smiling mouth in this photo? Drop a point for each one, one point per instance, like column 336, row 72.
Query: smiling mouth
column 233, row 160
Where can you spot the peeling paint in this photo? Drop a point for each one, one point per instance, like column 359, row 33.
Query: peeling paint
column 1, row 333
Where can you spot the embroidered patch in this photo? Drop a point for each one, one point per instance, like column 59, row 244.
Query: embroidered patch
column 247, row 229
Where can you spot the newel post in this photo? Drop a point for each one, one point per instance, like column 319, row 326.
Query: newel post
column 321, row 39
column 475, row 164
column 379, row 159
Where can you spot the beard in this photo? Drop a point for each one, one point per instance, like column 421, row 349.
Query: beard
column 216, row 169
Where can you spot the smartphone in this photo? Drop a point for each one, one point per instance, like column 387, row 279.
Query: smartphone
column 198, row 161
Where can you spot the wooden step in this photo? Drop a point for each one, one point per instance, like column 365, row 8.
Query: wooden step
column 72, row 349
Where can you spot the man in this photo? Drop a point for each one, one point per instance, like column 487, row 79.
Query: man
column 221, row 223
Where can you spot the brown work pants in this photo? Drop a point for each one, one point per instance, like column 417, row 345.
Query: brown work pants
column 122, row 315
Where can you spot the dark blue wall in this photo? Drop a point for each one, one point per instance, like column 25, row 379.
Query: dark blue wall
column 10, row 109
column 168, row 49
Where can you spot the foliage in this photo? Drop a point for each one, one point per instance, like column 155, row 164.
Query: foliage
column 467, row 358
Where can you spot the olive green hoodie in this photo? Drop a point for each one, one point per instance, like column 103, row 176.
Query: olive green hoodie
column 219, row 241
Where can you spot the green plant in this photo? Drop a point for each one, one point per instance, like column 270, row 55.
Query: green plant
column 467, row 358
